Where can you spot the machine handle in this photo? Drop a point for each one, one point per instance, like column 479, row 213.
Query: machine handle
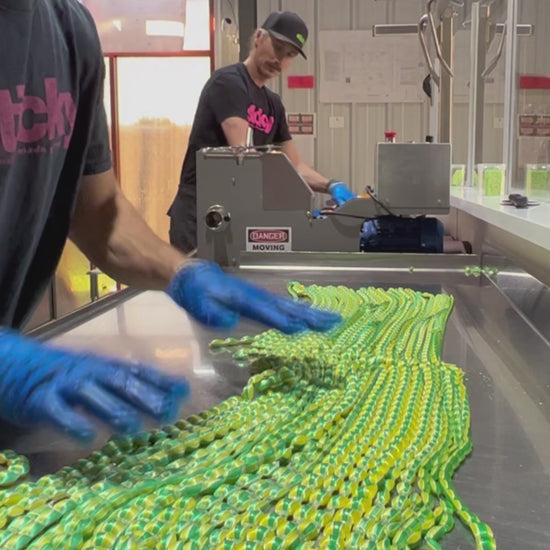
column 494, row 62
column 249, row 137
column 422, row 24
column 436, row 40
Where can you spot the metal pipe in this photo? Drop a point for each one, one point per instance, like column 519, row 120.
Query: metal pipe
column 436, row 39
column 472, row 110
column 446, row 84
column 494, row 62
column 510, row 94
column 422, row 24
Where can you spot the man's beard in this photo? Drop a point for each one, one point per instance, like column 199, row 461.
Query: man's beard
column 270, row 70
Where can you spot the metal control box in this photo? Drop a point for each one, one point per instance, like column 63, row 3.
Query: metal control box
column 414, row 178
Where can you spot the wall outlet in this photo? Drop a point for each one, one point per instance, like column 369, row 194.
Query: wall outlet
column 336, row 122
column 498, row 122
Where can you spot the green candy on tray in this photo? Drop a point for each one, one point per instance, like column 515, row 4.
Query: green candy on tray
column 345, row 439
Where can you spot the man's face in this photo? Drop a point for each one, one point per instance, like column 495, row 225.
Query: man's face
column 272, row 56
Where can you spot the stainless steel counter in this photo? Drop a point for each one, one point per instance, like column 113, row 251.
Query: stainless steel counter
column 506, row 480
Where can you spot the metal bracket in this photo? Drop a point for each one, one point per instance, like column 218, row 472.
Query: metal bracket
column 422, row 25
column 436, row 39
column 500, row 28
column 521, row 30
column 394, row 29
column 427, row 20
column 494, row 62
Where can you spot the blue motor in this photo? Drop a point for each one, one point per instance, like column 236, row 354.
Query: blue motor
column 399, row 234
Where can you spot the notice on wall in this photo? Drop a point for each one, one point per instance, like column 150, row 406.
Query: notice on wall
column 301, row 124
column 357, row 67
column 534, row 126
column 303, row 127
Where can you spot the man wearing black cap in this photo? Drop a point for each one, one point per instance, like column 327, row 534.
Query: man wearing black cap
column 234, row 99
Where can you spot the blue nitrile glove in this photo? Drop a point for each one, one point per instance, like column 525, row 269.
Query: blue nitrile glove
column 43, row 384
column 340, row 192
column 218, row 299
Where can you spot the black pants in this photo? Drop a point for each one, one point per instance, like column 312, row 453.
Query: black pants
column 183, row 219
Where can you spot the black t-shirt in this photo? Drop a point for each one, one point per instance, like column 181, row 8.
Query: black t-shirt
column 52, row 131
column 230, row 92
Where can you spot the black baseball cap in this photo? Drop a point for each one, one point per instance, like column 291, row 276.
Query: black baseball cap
column 288, row 27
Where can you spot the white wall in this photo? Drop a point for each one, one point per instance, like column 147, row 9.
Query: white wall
column 348, row 153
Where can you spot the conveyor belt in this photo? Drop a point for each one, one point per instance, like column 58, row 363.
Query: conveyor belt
column 506, row 480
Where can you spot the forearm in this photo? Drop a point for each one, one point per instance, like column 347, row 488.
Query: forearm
column 113, row 235
column 133, row 254
column 316, row 181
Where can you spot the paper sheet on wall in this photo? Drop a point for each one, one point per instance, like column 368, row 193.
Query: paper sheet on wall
column 359, row 68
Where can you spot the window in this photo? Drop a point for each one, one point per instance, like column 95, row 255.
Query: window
column 154, row 122
column 158, row 55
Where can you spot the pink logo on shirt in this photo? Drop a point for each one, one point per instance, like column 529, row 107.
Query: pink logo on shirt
column 258, row 120
column 31, row 119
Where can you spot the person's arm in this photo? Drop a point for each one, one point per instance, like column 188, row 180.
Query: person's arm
column 338, row 190
column 114, row 236
column 108, row 229
column 316, row 181
column 228, row 100
column 234, row 129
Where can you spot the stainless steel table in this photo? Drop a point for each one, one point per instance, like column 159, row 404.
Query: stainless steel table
column 506, row 480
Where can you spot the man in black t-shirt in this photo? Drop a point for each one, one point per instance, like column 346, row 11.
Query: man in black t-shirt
column 234, row 99
column 55, row 180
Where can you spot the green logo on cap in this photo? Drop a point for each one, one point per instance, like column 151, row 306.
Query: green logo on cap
column 300, row 38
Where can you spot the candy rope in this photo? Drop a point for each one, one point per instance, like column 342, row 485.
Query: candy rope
column 345, row 439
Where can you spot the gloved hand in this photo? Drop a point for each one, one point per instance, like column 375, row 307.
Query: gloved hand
column 42, row 384
column 218, row 300
column 340, row 192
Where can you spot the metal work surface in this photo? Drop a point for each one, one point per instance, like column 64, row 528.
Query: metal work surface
column 506, row 480
column 529, row 295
